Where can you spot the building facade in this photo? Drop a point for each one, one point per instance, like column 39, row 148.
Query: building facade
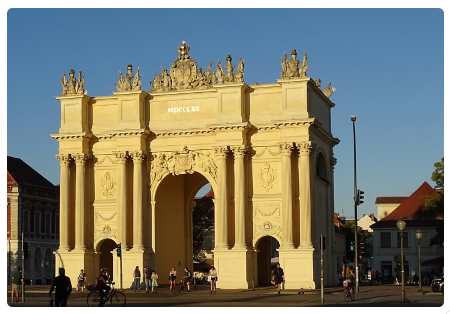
column 32, row 207
column 386, row 238
column 132, row 162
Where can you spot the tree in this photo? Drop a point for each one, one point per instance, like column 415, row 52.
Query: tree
column 202, row 221
column 434, row 205
column 438, row 174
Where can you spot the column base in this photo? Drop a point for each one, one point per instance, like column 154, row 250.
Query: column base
column 298, row 266
column 235, row 268
column 75, row 260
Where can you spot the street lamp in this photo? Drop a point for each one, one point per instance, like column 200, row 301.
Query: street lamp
column 401, row 225
column 355, row 201
column 419, row 238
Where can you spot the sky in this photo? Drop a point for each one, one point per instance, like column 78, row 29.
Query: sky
column 387, row 66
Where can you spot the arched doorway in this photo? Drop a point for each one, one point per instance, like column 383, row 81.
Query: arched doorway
column 105, row 250
column 267, row 256
column 173, row 234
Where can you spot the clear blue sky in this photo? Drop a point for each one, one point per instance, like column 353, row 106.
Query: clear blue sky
column 387, row 66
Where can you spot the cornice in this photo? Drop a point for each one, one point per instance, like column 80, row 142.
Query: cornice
column 122, row 133
column 70, row 136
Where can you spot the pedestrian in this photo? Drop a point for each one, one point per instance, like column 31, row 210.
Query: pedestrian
column 212, row 276
column 187, row 278
column 137, row 278
column 102, row 285
column 81, row 281
column 62, row 286
column 278, row 276
column 147, row 279
column 154, row 278
column 172, row 279
column 16, row 284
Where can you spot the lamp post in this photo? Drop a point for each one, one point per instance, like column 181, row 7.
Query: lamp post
column 401, row 225
column 419, row 238
column 355, row 192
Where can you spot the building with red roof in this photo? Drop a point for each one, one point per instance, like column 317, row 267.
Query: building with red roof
column 32, row 211
column 386, row 237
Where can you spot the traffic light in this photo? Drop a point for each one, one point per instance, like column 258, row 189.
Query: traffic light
column 119, row 250
column 359, row 197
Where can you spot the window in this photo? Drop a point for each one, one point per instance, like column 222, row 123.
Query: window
column 32, row 221
column 53, row 223
column 405, row 239
column 47, row 223
column 42, row 223
column 385, row 239
column 25, row 222
column 321, row 168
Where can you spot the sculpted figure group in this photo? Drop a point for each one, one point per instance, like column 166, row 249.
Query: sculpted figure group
column 129, row 81
column 72, row 86
column 291, row 67
column 184, row 73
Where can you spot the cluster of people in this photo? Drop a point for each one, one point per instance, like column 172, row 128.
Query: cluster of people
column 150, row 279
column 278, row 277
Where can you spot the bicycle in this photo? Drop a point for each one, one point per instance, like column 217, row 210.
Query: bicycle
column 114, row 297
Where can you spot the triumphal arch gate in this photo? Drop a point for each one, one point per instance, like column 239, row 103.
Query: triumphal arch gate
column 131, row 163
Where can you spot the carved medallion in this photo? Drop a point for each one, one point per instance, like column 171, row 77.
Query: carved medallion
column 267, row 177
column 108, row 186
column 183, row 162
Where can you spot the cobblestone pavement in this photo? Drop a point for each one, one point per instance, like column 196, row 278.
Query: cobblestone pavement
column 383, row 295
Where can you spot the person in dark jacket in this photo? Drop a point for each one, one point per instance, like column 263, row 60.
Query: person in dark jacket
column 62, row 286
column 278, row 277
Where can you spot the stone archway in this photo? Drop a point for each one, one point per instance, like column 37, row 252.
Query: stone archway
column 106, row 255
column 172, row 231
column 266, row 255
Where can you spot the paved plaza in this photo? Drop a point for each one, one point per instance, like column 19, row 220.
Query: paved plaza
column 383, row 295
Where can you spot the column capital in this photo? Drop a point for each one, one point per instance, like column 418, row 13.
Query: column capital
column 239, row 151
column 81, row 158
column 63, row 158
column 221, row 151
column 306, row 147
column 286, row 148
column 121, row 155
column 138, row 155
column 333, row 162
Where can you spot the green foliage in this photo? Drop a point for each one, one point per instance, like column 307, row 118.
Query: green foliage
column 202, row 220
column 438, row 174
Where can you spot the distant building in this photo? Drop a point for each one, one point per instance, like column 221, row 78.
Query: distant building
column 386, row 237
column 32, row 207
column 366, row 221
column 386, row 204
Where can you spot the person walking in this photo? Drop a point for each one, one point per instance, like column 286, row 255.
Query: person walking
column 278, row 277
column 16, row 284
column 62, row 286
column 147, row 279
column 137, row 279
column 213, row 279
column 187, row 279
column 81, row 281
column 172, row 279
column 154, row 278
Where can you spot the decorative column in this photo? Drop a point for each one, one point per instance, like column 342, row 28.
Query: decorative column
column 286, row 151
column 306, row 194
column 239, row 197
column 64, row 188
column 123, row 200
column 80, row 201
column 138, row 218
column 221, row 211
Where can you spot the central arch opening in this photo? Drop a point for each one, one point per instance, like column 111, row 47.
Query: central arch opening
column 184, row 224
column 105, row 249
column 266, row 259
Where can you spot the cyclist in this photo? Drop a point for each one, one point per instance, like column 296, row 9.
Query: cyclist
column 102, row 285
